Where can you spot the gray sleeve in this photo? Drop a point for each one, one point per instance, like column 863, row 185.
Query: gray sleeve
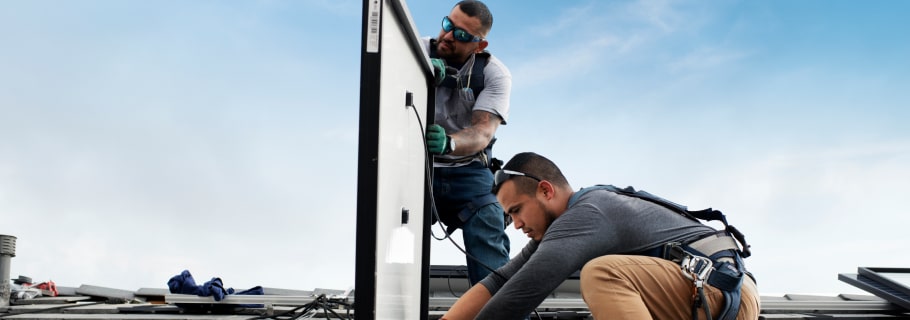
column 497, row 90
column 600, row 223
column 565, row 248
column 496, row 280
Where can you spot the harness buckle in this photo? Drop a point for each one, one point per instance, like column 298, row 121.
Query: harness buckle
column 673, row 251
column 696, row 268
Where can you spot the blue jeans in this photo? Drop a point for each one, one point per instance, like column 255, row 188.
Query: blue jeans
column 485, row 239
column 463, row 199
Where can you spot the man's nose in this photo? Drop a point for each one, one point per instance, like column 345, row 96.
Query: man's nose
column 450, row 36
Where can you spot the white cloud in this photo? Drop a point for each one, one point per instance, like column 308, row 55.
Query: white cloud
column 596, row 38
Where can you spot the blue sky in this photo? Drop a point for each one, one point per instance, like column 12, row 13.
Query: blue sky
column 141, row 138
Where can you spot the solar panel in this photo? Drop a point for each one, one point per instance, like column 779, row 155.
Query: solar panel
column 892, row 284
column 895, row 278
column 392, row 251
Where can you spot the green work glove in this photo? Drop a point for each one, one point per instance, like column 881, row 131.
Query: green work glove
column 439, row 70
column 437, row 140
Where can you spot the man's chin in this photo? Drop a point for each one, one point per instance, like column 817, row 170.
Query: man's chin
column 444, row 50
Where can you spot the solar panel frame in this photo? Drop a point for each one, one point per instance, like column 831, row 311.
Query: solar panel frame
column 880, row 275
column 877, row 288
column 392, row 249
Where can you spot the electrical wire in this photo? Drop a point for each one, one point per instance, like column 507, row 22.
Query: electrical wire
column 310, row 309
column 429, row 178
column 449, row 282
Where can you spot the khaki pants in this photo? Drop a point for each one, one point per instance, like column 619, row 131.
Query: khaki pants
column 640, row 287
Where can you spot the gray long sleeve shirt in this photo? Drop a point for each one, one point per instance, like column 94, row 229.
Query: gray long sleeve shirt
column 599, row 223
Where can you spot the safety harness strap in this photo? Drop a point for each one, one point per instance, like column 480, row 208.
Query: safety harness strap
column 708, row 214
column 715, row 246
column 715, row 259
column 732, row 298
column 469, row 210
column 476, row 75
column 474, row 81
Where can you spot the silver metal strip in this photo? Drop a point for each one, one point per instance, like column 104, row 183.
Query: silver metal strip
column 241, row 299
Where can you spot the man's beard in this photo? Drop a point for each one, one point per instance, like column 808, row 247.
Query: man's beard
column 448, row 52
column 548, row 214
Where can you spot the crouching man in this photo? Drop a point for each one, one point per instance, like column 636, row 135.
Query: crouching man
column 638, row 259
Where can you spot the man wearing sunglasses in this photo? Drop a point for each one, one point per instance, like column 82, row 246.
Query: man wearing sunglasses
column 611, row 238
column 471, row 103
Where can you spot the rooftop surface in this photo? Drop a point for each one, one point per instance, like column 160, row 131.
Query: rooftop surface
column 446, row 284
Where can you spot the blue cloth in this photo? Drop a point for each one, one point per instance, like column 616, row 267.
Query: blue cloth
column 463, row 199
column 184, row 283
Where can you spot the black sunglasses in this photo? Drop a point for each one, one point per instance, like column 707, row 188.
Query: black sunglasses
column 502, row 175
column 459, row 33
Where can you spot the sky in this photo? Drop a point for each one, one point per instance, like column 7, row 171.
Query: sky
column 142, row 138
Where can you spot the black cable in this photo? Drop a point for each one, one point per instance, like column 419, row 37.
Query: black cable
column 348, row 307
column 433, row 209
column 333, row 312
column 429, row 177
column 449, row 282
column 321, row 301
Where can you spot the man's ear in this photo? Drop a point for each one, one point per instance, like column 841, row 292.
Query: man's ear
column 481, row 46
column 546, row 188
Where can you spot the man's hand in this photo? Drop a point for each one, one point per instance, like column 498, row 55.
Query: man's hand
column 439, row 70
column 437, row 140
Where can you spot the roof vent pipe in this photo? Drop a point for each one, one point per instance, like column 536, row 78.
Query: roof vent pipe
column 7, row 252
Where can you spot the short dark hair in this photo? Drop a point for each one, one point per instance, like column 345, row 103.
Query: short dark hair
column 536, row 165
column 479, row 10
